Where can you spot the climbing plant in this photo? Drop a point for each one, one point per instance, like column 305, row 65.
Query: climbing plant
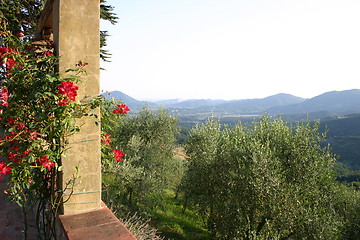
column 38, row 111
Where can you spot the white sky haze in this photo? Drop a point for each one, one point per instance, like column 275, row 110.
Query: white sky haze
column 232, row 49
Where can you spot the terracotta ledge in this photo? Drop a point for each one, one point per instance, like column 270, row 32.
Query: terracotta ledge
column 98, row 224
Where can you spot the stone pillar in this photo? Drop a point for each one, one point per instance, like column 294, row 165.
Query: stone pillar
column 76, row 27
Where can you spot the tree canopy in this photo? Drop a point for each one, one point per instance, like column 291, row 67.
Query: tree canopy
column 148, row 139
column 270, row 181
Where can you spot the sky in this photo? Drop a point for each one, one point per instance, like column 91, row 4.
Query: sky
column 232, row 49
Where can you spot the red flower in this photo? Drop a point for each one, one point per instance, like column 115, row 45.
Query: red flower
column 48, row 53
column 11, row 121
column 25, row 153
column 34, row 135
column 20, row 126
column 4, row 104
column 4, row 94
column 118, row 154
column 106, row 139
column 16, row 157
column 20, row 34
column 13, row 157
column 68, row 89
column 4, row 50
column 63, row 102
column 11, row 137
column 10, row 63
column 4, row 169
column 45, row 162
column 81, row 64
column 121, row 109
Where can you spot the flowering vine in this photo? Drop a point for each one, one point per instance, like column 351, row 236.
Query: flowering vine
column 37, row 112
column 69, row 92
column 111, row 116
column 31, row 120
column 121, row 109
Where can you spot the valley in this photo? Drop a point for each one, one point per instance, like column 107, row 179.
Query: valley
column 338, row 112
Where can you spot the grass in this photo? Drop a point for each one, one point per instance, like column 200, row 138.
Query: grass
column 175, row 224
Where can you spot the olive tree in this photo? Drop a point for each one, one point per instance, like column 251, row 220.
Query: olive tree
column 148, row 140
column 268, row 181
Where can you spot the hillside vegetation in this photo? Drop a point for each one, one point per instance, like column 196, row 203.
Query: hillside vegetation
column 263, row 179
column 337, row 110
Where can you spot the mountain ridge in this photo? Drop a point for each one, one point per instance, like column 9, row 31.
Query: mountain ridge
column 330, row 103
column 334, row 101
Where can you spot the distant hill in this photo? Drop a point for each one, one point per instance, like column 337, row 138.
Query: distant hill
column 189, row 103
column 195, row 103
column 344, row 138
column 220, row 105
column 129, row 101
column 327, row 105
column 257, row 106
column 169, row 102
column 344, row 102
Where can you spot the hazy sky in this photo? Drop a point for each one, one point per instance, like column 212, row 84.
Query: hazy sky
column 232, row 49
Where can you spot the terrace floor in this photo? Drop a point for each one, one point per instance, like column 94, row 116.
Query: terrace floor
column 11, row 218
column 93, row 225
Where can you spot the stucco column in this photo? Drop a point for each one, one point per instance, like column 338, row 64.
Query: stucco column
column 76, row 26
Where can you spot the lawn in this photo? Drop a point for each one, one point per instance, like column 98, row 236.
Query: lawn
column 175, row 223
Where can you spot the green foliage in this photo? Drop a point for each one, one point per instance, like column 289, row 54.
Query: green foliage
column 176, row 223
column 266, row 182
column 104, row 54
column 22, row 16
column 344, row 137
column 107, row 14
column 201, row 149
column 347, row 204
column 149, row 167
